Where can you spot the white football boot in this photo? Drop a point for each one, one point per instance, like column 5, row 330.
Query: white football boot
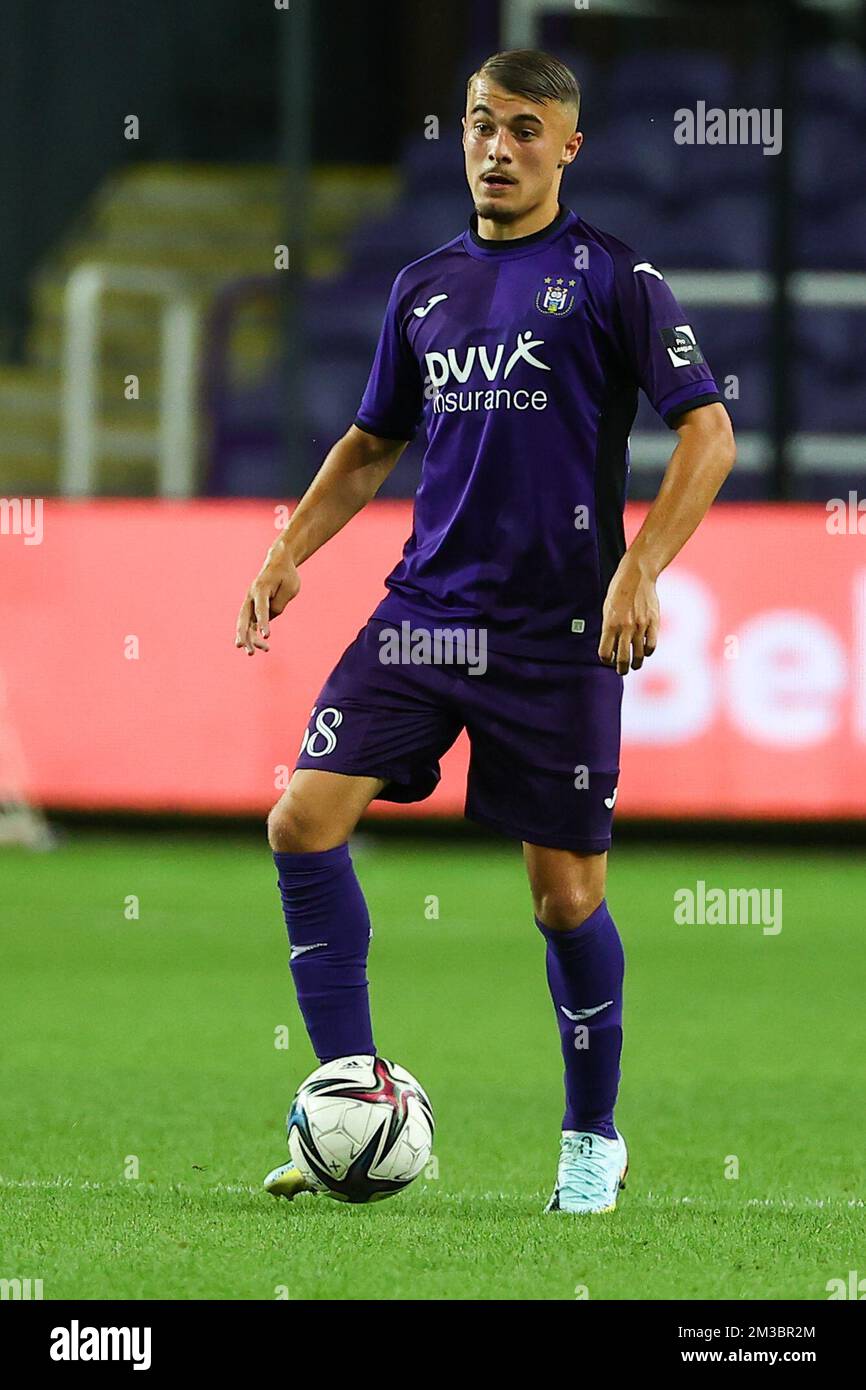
column 591, row 1172
column 287, row 1181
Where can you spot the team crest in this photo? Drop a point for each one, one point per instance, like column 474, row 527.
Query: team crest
column 556, row 298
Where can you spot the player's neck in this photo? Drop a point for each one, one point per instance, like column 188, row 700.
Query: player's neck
column 536, row 220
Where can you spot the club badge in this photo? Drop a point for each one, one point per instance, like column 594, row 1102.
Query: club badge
column 556, row 298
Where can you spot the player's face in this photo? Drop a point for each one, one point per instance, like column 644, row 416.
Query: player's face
column 513, row 149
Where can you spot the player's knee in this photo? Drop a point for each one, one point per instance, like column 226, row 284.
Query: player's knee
column 564, row 908
column 295, row 827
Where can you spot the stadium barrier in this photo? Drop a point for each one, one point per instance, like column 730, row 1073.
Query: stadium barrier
column 124, row 688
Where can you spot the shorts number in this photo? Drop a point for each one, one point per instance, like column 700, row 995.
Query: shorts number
column 325, row 729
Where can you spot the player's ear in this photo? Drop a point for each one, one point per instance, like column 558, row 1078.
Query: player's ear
column 572, row 146
column 571, row 150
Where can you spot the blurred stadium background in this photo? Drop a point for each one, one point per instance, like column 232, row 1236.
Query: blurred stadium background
column 203, row 211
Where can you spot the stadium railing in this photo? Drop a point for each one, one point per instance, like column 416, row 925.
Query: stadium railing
column 175, row 441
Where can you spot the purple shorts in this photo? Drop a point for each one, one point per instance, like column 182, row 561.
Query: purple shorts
column 544, row 736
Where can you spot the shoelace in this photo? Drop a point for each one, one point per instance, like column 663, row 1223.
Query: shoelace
column 587, row 1175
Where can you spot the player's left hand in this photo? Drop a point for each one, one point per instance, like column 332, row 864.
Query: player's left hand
column 630, row 618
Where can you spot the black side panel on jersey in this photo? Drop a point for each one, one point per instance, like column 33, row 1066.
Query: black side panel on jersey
column 617, row 418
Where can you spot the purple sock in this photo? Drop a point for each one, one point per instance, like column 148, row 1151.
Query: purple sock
column 585, row 969
column 329, row 933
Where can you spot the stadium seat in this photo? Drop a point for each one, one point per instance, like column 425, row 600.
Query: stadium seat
column 704, row 170
column 833, row 81
column 633, row 154
column 832, row 336
column 408, row 232
column 343, row 311
column 828, row 158
column 833, row 238
column 827, row 401
column 728, row 334
column 726, row 231
column 661, row 80
column 440, row 160
column 625, row 217
column 332, row 391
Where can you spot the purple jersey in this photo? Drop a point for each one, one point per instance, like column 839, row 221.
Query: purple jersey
column 523, row 358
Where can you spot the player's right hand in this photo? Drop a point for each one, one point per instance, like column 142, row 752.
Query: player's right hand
column 275, row 585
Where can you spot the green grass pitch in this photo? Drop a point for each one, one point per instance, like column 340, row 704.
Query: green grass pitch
column 147, row 1046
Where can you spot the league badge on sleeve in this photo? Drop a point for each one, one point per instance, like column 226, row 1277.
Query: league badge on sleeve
column 682, row 345
column 556, row 298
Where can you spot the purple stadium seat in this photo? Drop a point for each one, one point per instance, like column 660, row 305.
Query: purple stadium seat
column 757, row 83
column 833, row 80
column 730, row 333
column 701, row 170
column 333, row 386
column 832, row 336
column 727, row 231
column 828, row 401
column 659, row 81
column 438, row 160
column 635, row 220
column 342, row 312
column 828, row 158
column 718, row 232
column 833, row 238
column 631, row 154
column 409, row 231
column 830, row 369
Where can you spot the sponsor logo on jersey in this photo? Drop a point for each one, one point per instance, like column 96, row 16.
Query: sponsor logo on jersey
column 610, row 801
column 442, row 367
column 682, row 345
column 494, row 365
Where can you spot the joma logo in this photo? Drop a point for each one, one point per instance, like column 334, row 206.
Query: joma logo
column 443, row 366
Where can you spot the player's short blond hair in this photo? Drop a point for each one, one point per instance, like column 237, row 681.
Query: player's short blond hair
column 527, row 72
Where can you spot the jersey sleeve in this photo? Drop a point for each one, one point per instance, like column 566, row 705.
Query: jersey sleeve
column 393, row 401
column 659, row 343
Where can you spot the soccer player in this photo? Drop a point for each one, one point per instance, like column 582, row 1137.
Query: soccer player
column 520, row 346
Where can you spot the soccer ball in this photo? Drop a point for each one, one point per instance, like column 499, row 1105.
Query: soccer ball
column 360, row 1128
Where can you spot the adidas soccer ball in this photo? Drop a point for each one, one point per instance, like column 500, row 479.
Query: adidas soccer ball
column 360, row 1128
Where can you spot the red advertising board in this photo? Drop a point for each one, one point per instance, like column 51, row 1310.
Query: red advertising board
column 120, row 686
